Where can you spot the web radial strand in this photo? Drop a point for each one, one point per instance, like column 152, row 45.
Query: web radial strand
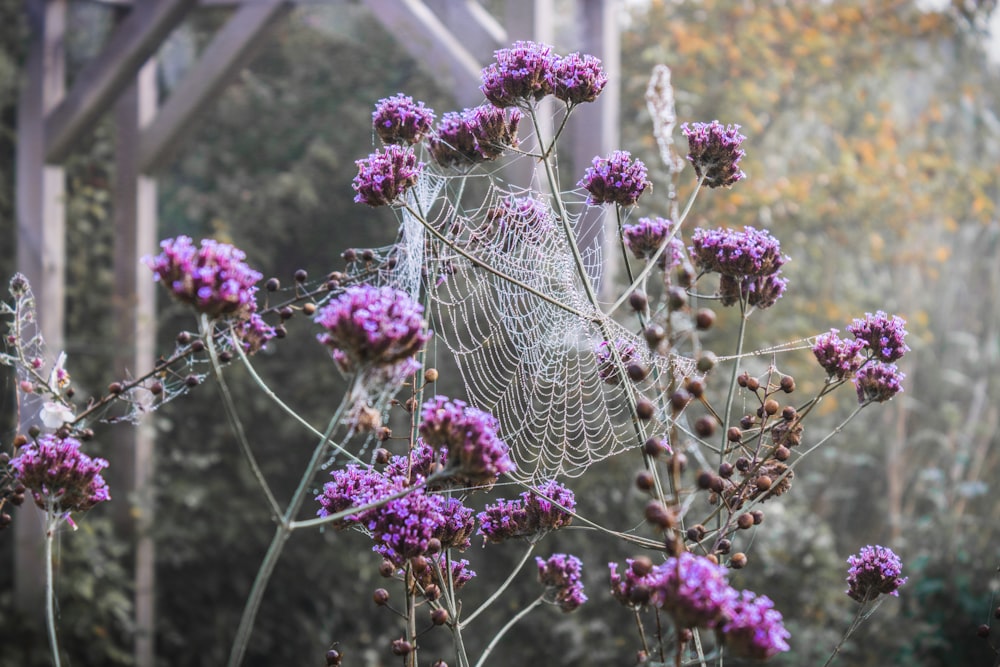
column 532, row 362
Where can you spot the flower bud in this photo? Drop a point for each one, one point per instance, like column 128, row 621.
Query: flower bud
column 439, row 616
column 381, row 597
column 771, row 406
column 642, row 565
column 644, row 409
column 704, row 319
column 644, row 480
column 707, row 361
column 637, row 372
column 680, row 398
column 654, row 335
column 301, row 275
column 787, row 384
column 638, row 301
column 653, row 447
column 431, row 375
column 401, row 647
column 333, row 656
column 677, row 298
column 738, row 560
column 744, row 521
column 704, row 426
column 704, row 479
column 696, row 388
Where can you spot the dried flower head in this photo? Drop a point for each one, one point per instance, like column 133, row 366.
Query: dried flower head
column 616, row 179
column 840, row 358
column 883, row 335
column 759, row 292
column 476, row 454
column 646, row 237
column 61, row 478
column 753, row 628
column 714, row 152
column 372, row 326
column 385, row 175
column 522, row 73
column 874, row 571
column 214, row 278
column 400, row 120
column 561, row 574
column 578, row 79
column 878, row 382
column 692, row 589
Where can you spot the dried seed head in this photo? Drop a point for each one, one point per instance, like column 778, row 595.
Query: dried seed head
column 642, row 565
column 309, row 308
column 744, row 521
column 747, row 422
column 758, row 517
column 301, row 275
column 763, row 483
column 381, row 454
column 432, row 592
column 677, row 298
column 782, row 453
column 734, row 434
column 753, row 384
column 401, row 647
column 704, row 479
column 695, row 387
column 638, row 301
column 644, row 480
column 725, row 470
column 771, row 406
column 653, row 447
column 431, row 375
column 787, row 384
column 654, row 335
column 677, row 462
column 704, row 319
column 788, row 413
column 637, row 372
column 658, row 515
column 704, row 426
column 381, row 597
column 707, row 361
column 386, row 568
column 724, row 546
column 333, row 658
column 439, row 616
column 680, row 398
column 738, row 560
column 644, row 409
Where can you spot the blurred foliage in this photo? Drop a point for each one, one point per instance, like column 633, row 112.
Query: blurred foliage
column 872, row 153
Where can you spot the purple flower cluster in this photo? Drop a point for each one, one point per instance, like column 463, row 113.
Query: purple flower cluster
column 759, row 292
column 607, row 365
column 715, row 152
column 878, row 382
column 474, row 135
column 561, row 574
column 385, row 175
column 460, row 572
column 61, row 478
column 646, row 237
column 422, row 462
column 693, row 590
column 616, row 179
column 253, row 333
column 753, row 628
column 372, row 326
column 476, row 454
column 214, row 278
column 635, row 587
column 874, row 571
column 750, row 262
column 545, row 508
column 840, row 358
column 528, row 71
column 400, row 120
column 578, row 79
column 353, row 486
column 516, row 222
column 884, row 335
column 403, row 527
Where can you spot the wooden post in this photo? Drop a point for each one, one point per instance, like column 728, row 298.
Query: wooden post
column 134, row 218
column 41, row 246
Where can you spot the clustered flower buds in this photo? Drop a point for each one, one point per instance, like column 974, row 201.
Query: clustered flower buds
column 545, row 508
column 60, row 477
column 400, row 120
column 749, row 262
column 883, row 335
column 839, row 357
column 476, row 454
column 561, row 574
column 616, row 179
column 528, row 71
column 385, row 175
column 474, row 135
column 874, row 571
column 878, row 382
column 646, row 237
column 714, row 152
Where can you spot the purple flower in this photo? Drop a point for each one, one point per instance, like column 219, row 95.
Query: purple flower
column 474, row 135
column 459, row 522
column 561, row 575
column 460, row 572
column 404, row 526
column 884, row 335
column 607, row 365
column 578, row 78
column 874, row 571
column 354, row 487
column 840, row 358
column 531, row 516
column 516, row 222
column 715, row 152
column 422, row 462
column 878, row 382
column 646, row 237
column 635, row 587
column 385, row 175
column 253, row 333
column 521, row 73
column 615, row 179
column 400, row 120
column 753, row 628
column 372, row 326
column 476, row 454
column 749, row 253
column 693, row 590
column 61, row 478
column 758, row 291
column 213, row 278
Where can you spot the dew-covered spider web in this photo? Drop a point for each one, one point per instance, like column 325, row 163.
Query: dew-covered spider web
column 506, row 297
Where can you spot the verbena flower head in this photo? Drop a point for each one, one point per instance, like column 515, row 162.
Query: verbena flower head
column 385, row 175
column 561, row 574
column 459, row 522
column 516, row 222
column 874, row 571
column 531, row 516
column 646, row 237
column 400, row 120
column 759, row 291
column 422, row 462
column 253, row 333
column 61, row 478
column 460, row 572
column 504, row 520
column 607, row 365
column 578, row 79
column 754, row 629
column 714, row 152
column 693, row 590
column 404, row 526
column 372, row 326
column 878, row 382
column 840, row 358
column 740, row 254
column 476, row 453
column 468, row 137
column 353, row 486
column 884, row 335
column 616, row 179
column 634, row 588
column 521, row 73
column 214, row 278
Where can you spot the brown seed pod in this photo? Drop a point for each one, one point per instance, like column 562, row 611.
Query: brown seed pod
column 738, row 560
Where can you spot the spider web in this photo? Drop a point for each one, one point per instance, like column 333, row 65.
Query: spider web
column 525, row 340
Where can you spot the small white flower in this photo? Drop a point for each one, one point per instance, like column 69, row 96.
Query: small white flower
column 55, row 414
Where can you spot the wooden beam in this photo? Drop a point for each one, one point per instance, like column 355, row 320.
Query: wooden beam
column 481, row 33
column 99, row 84
column 41, row 245
column 428, row 40
column 228, row 53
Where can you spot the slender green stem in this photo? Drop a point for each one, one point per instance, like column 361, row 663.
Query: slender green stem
column 51, row 520
column 503, row 587
column 281, row 535
column 863, row 613
column 731, row 394
column 511, row 623
column 207, row 335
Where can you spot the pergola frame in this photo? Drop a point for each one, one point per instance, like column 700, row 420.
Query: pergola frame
column 452, row 38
